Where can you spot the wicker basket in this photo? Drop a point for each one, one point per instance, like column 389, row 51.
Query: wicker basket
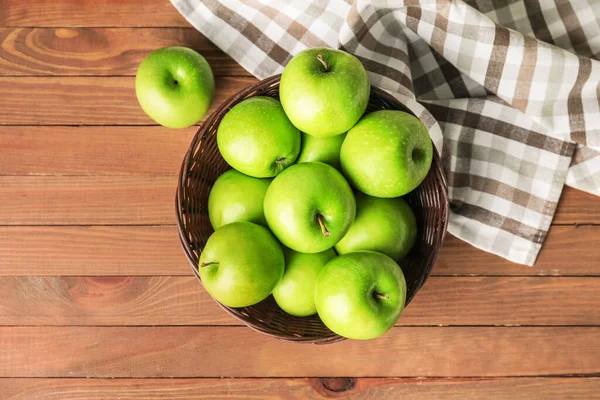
column 203, row 165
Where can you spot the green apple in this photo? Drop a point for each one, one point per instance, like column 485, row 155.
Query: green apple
column 257, row 138
column 309, row 207
column 295, row 293
column 360, row 295
column 387, row 226
column 241, row 264
column 387, row 154
column 175, row 86
column 324, row 91
column 237, row 197
column 321, row 149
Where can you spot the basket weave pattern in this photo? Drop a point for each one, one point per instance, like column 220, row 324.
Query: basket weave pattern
column 203, row 164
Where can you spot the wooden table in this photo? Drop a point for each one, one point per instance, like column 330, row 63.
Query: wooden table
column 93, row 283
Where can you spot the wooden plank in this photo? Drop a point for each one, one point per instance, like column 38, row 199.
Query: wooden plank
column 577, row 206
column 108, row 301
column 68, row 13
column 127, row 150
column 302, row 388
column 91, row 250
column 85, row 100
column 99, row 51
column 85, row 200
column 155, row 250
column 60, row 200
column 133, row 150
column 568, row 250
column 124, row 150
column 114, row 352
column 505, row 301
column 93, row 150
column 183, row 301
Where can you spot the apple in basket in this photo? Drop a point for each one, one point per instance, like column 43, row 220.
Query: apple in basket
column 388, row 226
column 295, row 292
column 277, row 236
column 387, row 153
column 309, row 207
column 237, row 197
column 241, row 264
column 360, row 295
column 324, row 92
column 257, row 138
column 321, row 149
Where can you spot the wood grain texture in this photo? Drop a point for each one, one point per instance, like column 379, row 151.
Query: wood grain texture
column 84, row 200
column 129, row 150
column 577, row 206
column 93, row 150
column 108, row 301
column 123, row 150
column 103, row 352
column 132, row 150
column 568, row 250
column 301, row 388
column 91, row 250
column 90, row 13
column 91, row 200
column 182, row 301
column 505, row 301
column 155, row 250
column 71, row 62
column 85, row 100
column 99, row 51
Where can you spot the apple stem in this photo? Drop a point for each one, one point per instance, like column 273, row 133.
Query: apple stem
column 280, row 160
column 322, row 60
column 381, row 296
column 326, row 233
column 206, row 264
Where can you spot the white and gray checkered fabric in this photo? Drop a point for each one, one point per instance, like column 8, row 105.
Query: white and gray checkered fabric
column 508, row 89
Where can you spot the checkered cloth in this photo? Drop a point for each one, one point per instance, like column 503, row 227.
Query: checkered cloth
column 508, row 89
